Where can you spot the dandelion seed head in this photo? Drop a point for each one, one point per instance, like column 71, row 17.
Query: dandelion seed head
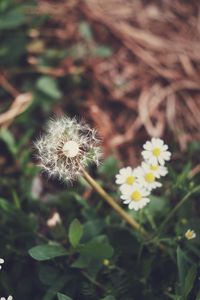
column 71, row 149
column 66, row 146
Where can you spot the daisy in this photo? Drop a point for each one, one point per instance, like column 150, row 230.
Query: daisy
column 190, row 234
column 155, row 152
column 135, row 196
column 127, row 176
column 147, row 179
column 1, row 262
column 157, row 170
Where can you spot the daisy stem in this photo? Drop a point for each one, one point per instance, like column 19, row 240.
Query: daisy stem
column 134, row 224
column 178, row 205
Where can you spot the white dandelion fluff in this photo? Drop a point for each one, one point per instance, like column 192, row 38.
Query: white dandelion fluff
column 9, row 298
column 66, row 147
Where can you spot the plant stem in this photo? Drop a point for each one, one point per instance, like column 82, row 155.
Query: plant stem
column 178, row 205
column 94, row 281
column 114, row 204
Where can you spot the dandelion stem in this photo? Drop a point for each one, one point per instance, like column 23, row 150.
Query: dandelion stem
column 178, row 205
column 114, row 204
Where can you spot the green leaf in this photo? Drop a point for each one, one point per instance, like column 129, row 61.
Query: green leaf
column 6, row 206
column 98, row 248
column 46, row 252
column 181, row 179
column 102, row 51
column 110, row 297
column 157, row 205
column 189, row 281
column 12, row 19
column 48, row 274
column 182, row 262
column 92, row 229
column 8, row 138
column 75, row 232
column 85, row 31
column 56, row 287
column 63, row 297
column 109, row 168
column 90, row 264
column 49, row 87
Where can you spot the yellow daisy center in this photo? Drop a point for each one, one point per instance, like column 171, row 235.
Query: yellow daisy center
column 149, row 177
column 130, row 180
column 136, row 196
column 154, row 167
column 156, row 152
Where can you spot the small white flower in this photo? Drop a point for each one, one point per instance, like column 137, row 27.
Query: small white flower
column 67, row 146
column 135, row 196
column 126, row 176
column 190, row 234
column 147, row 179
column 156, row 152
column 54, row 220
column 1, row 262
column 9, row 298
column 157, row 170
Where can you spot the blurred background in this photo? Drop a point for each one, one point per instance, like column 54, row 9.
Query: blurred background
column 130, row 68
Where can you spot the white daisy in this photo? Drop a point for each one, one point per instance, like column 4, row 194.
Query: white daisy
column 147, row 179
column 127, row 176
column 156, row 152
column 135, row 196
column 190, row 234
column 1, row 262
column 157, row 170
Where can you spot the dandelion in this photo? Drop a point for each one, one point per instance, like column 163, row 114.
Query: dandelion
column 147, row 178
column 1, row 262
column 155, row 152
column 9, row 298
column 66, row 149
column 157, row 170
column 67, row 146
column 135, row 196
column 190, row 234
column 126, row 176
column 54, row 220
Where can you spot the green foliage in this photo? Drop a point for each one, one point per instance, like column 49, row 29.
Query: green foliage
column 49, row 87
column 109, row 167
column 46, row 252
column 85, row 31
column 75, row 232
column 63, row 297
column 97, row 248
column 189, row 280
